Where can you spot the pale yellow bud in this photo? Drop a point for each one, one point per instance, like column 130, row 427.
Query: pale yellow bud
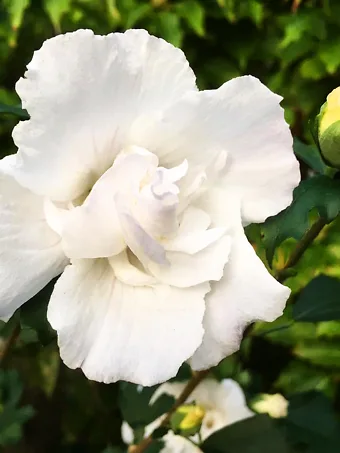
column 274, row 405
column 331, row 111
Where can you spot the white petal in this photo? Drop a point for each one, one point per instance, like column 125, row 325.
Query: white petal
column 83, row 92
column 185, row 270
column 178, row 444
column 128, row 273
column 115, row 331
column 233, row 404
column 127, row 433
column 244, row 119
column 194, row 219
column 30, row 251
column 94, row 229
column 246, row 293
column 195, row 242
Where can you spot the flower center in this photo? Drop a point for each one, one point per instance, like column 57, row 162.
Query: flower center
column 139, row 215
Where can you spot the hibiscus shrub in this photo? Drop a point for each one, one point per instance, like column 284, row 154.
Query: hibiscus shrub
column 169, row 257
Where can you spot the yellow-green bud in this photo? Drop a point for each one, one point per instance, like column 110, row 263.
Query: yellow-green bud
column 188, row 419
column 329, row 129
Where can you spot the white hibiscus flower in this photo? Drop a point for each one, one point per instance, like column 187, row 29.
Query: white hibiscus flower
column 137, row 186
column 223, row 402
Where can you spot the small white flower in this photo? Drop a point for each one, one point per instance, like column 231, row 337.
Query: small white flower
column 137, row 186
column 274, row 405
column 224, row 403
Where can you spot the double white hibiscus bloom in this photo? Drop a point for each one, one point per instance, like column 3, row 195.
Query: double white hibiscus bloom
column 136, row 187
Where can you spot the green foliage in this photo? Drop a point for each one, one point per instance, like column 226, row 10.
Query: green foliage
column 56, row 10
column 33, row 317
column 12, row 416
column 319, row 301
column 137, row 410
column 253, row 435
column 312, row 423
column 17, row 111
column 320, row 193
column 311, row 156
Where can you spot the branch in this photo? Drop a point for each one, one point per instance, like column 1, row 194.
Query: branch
column 300, row 249
column 188, row 389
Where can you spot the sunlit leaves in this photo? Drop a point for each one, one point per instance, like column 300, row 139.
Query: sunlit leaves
column 55, row 10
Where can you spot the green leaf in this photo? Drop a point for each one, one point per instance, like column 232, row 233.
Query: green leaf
column 329, row 55
column 137, row 14
column 155, row 447
column 14, row 110
column 319, row 301
column 319, row 192
column 193, row 13
column 134, row 402
column 298, row 377
column 312, row 422
column 34, row 315
column 329, row 329
column 16, row 9
column 257, row 434
column 11, row 416
column 312, row 68
column 170, row 27
column 55, row 10
column 320, row 353
column 311, row 156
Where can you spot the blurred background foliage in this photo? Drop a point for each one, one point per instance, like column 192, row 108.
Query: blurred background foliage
column 293, row 46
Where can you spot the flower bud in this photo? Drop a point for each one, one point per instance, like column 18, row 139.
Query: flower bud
column 274, row 405
column 188, row 419
column 328, row 122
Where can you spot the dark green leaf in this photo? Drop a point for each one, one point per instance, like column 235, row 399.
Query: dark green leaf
column 319, row 192
column 258, row 434
column 33, row 315
column 310, row 155
column 312, row 422
column 134, row 402
column 14, row 110
column 11, row 416
column 319, row 301
column 155, row 447
column 159, row 432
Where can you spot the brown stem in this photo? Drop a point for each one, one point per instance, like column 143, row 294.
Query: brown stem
column 9, row 342
column 188, row 389
column 300, row 249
